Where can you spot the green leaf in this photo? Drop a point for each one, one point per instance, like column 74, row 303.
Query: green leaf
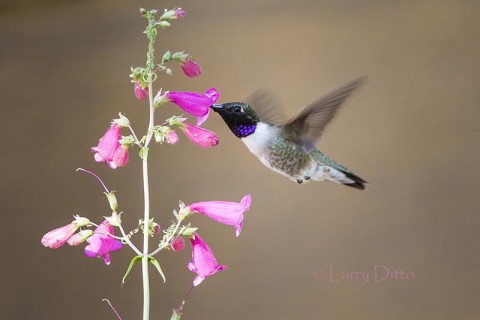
column 176, row 315
column 166, row 57
column 143, row 153
column 154, row 261
column 132, row 263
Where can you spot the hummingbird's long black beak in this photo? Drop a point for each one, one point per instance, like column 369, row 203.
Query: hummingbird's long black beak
column 217, row 107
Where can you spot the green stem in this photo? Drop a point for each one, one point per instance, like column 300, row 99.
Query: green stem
column 146, row 216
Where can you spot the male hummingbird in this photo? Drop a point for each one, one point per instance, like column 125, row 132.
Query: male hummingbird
column 289, row 148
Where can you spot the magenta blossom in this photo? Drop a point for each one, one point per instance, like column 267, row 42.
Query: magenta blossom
column 196, row 104
column 100, row 243
column 200, row 136
column 58, row 237
column 229, row 213
column 140, row 92
column 110, row 150
column 203, row 261
column 191, row 68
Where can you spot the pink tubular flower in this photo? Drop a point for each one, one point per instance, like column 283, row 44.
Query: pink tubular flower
column 58, row 237
column 100, row 243
column 196, row 104
column 191, row 68
column 200, row 136
column 140, row 92
column 203, row 261
column 229, row 213
column 110, row 150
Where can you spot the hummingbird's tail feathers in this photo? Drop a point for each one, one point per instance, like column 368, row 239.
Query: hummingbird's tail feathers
column 358, row 183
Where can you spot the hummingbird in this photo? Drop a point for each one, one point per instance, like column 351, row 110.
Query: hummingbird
column 289, row 148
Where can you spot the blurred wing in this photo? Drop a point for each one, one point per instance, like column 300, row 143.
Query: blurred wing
column 267, row 106
column 307, row 127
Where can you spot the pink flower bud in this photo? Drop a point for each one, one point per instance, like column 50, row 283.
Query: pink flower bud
column 200, row 136
column 179, row 13
column 58, row 237
column 172, row 137
column 178, row 244
column 229, row 213
column 140, row 92
column 156, row 228
column 203, row 261
column 80, row 237
column 191, row 68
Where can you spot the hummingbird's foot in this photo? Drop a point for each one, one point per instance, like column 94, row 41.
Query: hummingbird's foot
column 299, row 180
column 307, row 177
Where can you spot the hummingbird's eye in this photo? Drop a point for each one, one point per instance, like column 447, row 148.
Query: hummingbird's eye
column 237, row 109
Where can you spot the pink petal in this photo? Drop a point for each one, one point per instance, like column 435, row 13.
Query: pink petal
column 202, row 119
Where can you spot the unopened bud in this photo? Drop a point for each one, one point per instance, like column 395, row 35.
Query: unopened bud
column 155, row 227
column 79, row 237
column 112, row 200
column 164, row 24
column 178, row 244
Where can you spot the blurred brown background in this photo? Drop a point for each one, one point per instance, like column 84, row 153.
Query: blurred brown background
column 411, row 131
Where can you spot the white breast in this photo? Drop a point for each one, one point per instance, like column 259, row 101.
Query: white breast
column 259, row 140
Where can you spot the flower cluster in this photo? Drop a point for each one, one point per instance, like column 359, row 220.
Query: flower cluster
column 113, row 148
column 100, row 242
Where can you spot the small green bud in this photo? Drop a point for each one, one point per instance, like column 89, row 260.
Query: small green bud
column 122, row 121
column 176, row 121
column 81, row 221
column 112, row 200
column 167, row 56
column 163, row 24
column 115, row 219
